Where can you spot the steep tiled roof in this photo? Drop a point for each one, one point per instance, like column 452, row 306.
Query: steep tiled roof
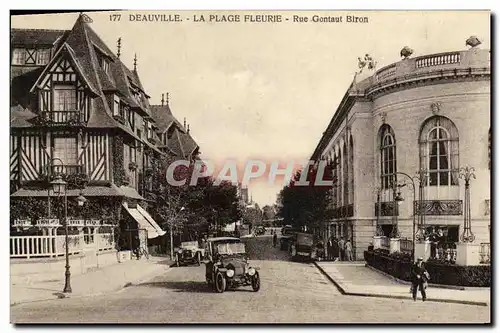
column 35, row 37
column 181, row 143
column 164, row 117
column 85, row 49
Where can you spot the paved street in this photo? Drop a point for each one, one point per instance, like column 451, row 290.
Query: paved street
column 290, row 293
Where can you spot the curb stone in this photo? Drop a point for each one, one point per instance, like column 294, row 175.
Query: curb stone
column 440, row 300
column 113, row 290
column 440, row 286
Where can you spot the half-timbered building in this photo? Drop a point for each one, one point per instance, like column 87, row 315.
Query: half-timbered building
column 78, row 111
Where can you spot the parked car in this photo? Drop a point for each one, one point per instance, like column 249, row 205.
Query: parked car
column 303, row 247
column 227, row 265
column 189, row 253
column 287, row 237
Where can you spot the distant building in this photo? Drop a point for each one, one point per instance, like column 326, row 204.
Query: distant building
column 243, row 194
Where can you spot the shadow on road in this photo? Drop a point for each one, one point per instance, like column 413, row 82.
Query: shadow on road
column 261, row 248
column 180, row 286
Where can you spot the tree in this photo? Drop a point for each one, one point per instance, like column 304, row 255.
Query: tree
column 268, row 215
column 308, row 205
column 207, row 206
column 252, row 215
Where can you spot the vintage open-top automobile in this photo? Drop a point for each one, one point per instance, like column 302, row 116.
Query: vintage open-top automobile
column 227, row 265
column 189, row 253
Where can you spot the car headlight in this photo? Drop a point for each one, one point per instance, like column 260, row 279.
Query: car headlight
column 230, row 273
column 251, row 271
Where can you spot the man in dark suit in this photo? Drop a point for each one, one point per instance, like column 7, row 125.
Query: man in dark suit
column 329, row 248
column 418, row 279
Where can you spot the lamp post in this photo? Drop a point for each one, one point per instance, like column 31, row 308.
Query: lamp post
column 422, row 179
column 396, row 194
column 172, row 233
column 378, row 230
column 466, row 173
column 398, row 198
column 59, row 187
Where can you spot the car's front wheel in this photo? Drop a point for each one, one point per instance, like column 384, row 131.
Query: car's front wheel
column 256, row 282
column 220, row 282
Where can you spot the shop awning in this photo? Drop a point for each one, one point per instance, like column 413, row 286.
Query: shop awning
column 151, row 220
column 150, row 225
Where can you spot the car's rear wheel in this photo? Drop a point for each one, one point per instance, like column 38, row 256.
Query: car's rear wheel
column 220, row 283
column 256, row 282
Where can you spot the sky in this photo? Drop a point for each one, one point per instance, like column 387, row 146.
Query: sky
column 265, row 91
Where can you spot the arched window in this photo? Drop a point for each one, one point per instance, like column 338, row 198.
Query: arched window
column 439, row 151
column 345, row 181
column 388, row 166
column 351, row 171
column 339, row 177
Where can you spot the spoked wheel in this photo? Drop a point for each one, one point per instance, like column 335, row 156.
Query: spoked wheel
column 220, row 283
column 256, row 282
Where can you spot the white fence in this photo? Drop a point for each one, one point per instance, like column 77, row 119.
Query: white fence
column 53, row 246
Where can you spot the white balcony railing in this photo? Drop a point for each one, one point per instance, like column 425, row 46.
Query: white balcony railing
column 438, row 60
column 22, row 224
column 48, row 223
column 448, row 64
column 53, row 246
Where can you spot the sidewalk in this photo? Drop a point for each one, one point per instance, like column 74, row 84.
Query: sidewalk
column 104, row 280
column 357, row 280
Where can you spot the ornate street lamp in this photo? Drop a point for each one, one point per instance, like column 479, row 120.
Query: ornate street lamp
column 395, row 231
column 466, row 173
column 422, row 179
column 59, row 188
column 398, row 198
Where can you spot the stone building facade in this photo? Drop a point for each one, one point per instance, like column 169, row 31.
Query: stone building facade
column 426, row 116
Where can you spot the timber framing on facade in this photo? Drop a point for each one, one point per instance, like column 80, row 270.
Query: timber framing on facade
column 79, row 111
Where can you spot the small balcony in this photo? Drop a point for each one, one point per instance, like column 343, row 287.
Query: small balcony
column 62, row 118
column 67, row 170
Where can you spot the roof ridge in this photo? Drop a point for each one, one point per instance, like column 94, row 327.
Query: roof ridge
column 41, row 30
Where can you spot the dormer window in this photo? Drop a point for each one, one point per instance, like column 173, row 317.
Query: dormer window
column 43, row 57
column 170, row 132
column 18, row 56
column 116, row 106
column 105, row 65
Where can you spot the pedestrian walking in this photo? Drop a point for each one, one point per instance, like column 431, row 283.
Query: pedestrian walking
column 342, row 249
column 420, row 276
column 348, row 250
column 275, row 239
